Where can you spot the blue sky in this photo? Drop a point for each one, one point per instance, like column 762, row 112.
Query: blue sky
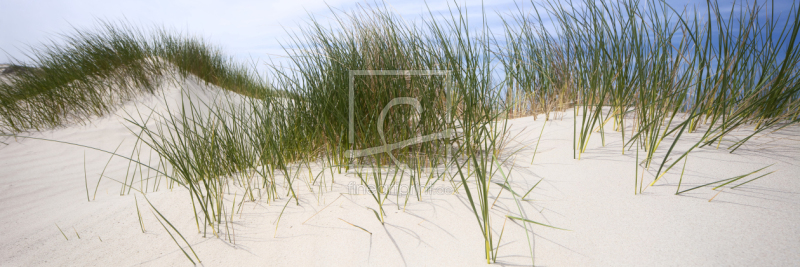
column 243, row 29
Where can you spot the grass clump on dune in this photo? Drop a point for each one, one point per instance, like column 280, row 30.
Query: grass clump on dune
column 661, row 68
column 250, row 140
column 91, row 72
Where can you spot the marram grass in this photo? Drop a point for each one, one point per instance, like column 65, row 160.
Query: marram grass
column 94, row 71
column 644, row 69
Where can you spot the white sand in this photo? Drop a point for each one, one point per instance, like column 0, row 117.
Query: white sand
column 42, row 184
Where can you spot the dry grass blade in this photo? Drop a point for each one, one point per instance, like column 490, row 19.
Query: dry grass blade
column 356, row 226
column 531, row 190
column 174, row 229
column 138, row 214
column 173, row 239
column 62, row 232
column 534, row 222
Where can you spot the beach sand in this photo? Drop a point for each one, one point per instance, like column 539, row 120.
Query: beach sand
column 43, row 188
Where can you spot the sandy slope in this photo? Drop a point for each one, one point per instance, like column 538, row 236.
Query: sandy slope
column 42, row 184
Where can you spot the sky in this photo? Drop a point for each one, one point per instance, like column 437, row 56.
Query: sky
column 243, row 29
column 247, row 30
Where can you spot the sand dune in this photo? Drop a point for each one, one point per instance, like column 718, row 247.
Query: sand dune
column 44, row 188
